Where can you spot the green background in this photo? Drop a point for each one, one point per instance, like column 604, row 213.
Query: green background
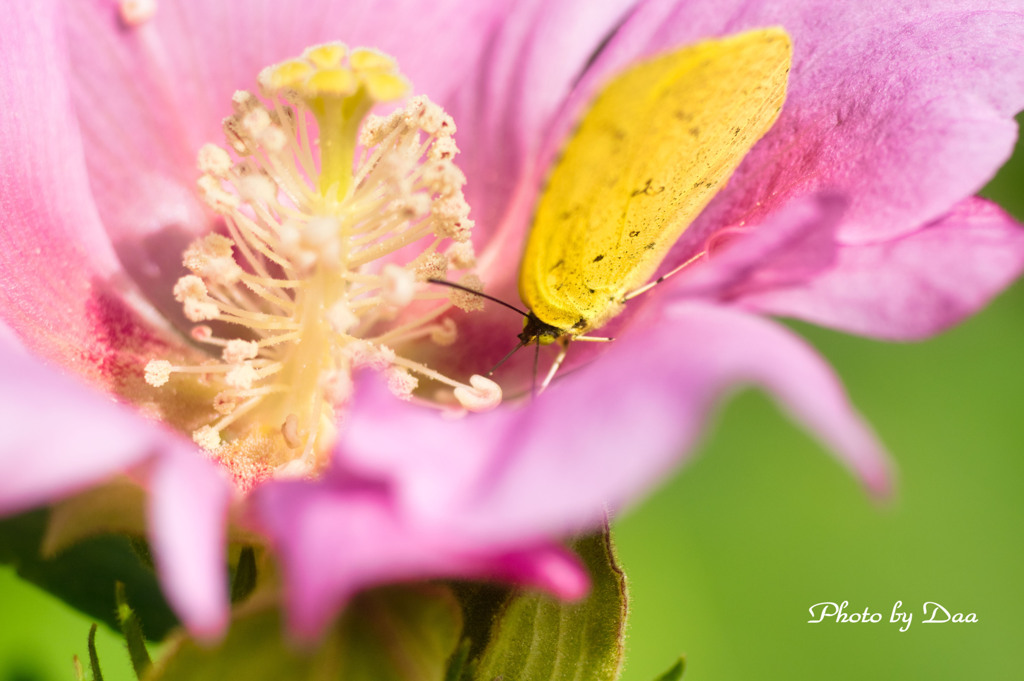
column 725, row 559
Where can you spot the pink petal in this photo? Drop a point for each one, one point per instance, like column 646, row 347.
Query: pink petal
column 912, row 286
column 904, row 107
column 148, row 97
column 607, row 432
column 188, row 507
column 433, row 486
column 794, row 244
column 618, row 425
column 502, row 111
column 60, row 285
column 9, row 341
column 58, row 437
column 334, row 541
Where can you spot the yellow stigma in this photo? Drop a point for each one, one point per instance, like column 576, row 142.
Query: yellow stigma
column 339, row 87
column 333, row 220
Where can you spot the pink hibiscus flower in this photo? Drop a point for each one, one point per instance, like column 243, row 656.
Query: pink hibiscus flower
column 855, row 211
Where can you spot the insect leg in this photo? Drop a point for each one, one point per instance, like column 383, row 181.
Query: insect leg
column 536, row 361
column 563, row 349
column 648, row 286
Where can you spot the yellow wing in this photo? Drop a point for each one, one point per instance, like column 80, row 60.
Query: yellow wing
column 656, row 145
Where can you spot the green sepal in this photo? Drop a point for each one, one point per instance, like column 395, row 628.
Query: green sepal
column 536, row 637
column 94, row 658
column 481, row 602
column 675, row 672
column 399, row 634
column 115, row 507
column 457, row 665
column 84, row 575
column 392, row 634
column 131, row 628
column 243, row 577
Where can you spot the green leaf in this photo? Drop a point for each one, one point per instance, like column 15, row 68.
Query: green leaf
column 675, row 672
column 83, row 575
column 538, row 638
column 395, row 634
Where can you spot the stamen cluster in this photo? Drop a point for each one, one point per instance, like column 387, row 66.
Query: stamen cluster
column 333, row 220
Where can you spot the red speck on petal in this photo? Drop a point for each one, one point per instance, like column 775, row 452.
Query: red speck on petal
column 119, row 343
column 247, row 462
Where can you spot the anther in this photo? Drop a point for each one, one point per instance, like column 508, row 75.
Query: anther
column 464, row 300
column 237, row 351
column 482, row 394
column 137, row 12
column 400, row 285
column 444, row 333
column 461, row 255
column 214, row 161
column 341, row 317
column 158, row 372
column 290, row 431
column 225, row 402
column 401, row 383
column 207, row 438
column 430, row 265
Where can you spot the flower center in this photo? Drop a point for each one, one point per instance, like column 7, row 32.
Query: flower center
column 333, row 220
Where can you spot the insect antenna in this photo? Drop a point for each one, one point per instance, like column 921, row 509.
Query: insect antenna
column 502, row 360
column 522, row 343
column 452, row 284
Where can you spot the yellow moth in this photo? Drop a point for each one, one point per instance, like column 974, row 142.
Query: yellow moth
column 655, row 146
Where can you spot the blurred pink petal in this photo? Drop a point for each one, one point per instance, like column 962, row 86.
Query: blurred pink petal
column 188, row 507
column 58, row 436
column 654, row 391
column 336, row 540
column 613, row 429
